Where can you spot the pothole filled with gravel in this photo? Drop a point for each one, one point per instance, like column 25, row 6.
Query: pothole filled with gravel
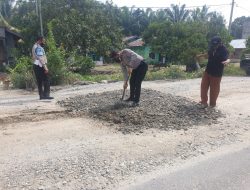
column 156, row 110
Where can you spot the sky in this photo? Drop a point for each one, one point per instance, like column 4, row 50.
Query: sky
column 241, row 8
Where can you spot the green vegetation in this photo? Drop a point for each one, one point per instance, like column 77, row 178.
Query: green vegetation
column 22, row 75
column 232, row 70
column 172, row 72
column 80, row 64
column 78, row 30
column 247, row 50
column 99, row 78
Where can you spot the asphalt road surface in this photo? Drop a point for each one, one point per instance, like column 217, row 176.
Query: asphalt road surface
column 226, row 172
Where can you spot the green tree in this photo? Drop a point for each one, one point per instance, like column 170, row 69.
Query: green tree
column 160, row 16
column 179, row 42
column 248, row 43
column 237, row 26
column 177, row 13
column 5, row 8
column 135, row 21
column 56, row 59
column 85, row 25
column 200, row 14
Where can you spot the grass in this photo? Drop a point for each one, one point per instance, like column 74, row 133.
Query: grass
column 99, row 78
column 172, row 72
column 234, row 70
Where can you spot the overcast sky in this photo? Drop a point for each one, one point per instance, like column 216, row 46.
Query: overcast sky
column 242, row 7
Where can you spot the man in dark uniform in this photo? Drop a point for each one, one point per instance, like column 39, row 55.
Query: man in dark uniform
column 40, row 69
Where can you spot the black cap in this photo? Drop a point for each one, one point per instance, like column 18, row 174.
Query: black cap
column 216, row 40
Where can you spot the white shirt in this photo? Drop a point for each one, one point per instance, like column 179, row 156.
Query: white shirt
column 38, row 55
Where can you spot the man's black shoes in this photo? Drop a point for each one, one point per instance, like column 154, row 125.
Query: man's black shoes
column 128, row 100
column 135, row 104
column 46, row 98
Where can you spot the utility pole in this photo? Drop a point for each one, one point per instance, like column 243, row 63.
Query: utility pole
column 40, row 15
column 231, row 16
column 37, row 9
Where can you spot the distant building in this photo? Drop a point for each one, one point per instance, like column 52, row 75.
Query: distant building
column 136, row 44
column 246, row 30
column 239, row 45
column 9, row 37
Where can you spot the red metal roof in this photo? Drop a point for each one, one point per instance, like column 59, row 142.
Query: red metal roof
column 136, row 43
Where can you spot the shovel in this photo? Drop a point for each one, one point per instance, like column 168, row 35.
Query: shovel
column 124, row 89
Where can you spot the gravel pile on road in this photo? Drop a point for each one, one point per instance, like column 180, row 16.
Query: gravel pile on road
column 156, row 110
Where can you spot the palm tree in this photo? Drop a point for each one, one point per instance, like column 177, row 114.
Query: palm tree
column 177, row 13
column 161, row 15
column 200, row 14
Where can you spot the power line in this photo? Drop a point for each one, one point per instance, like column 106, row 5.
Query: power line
column 219, row 5
column 243, row 8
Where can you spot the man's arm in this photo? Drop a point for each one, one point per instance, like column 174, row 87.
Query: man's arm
column 41, row 57
column 226, row 62
column 125, row 75
column 225, row 56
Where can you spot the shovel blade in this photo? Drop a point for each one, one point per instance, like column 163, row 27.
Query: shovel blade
column 123, row 94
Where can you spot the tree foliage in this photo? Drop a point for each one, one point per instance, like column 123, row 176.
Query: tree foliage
column 177, row 13
column 180, row 41
column 5, row 8
column 237, row 26
column 90, row 27
column 200, row 14
column 86, row 25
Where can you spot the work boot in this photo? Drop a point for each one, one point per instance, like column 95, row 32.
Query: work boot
column 48, row 98
column 128, row 100
column 135, row 104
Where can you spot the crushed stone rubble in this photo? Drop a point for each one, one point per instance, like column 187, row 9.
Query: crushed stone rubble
column 156, row 110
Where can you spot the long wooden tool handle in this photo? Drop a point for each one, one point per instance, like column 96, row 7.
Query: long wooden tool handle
column 124, row 89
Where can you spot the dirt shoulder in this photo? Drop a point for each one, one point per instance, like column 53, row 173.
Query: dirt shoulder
column 44, row 148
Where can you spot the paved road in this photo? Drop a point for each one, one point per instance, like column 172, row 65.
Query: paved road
column 227, row 172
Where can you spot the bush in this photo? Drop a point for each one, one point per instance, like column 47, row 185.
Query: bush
column 172, row 72
column 56, row 66
column 82, row 64
column 156, row 75
column 175, row 72
column 70, row 78
column 196, row 74
column 22, row 75
column 232, row 70
column 56, row 60
column 99, row 78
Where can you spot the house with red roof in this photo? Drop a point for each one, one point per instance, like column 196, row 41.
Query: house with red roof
column 137, row 44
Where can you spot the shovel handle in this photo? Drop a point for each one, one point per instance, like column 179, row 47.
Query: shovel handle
column 124, row 89
column 123, row 94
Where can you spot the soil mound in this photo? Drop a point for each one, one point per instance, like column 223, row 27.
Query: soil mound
column 156, row 110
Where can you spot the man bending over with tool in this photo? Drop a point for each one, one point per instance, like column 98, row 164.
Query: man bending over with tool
column 134, row 65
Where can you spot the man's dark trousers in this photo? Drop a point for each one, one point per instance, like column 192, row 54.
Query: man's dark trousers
column 42, row 81
column 135, row 81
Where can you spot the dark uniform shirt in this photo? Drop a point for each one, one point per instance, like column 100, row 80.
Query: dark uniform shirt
column 215, row 58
